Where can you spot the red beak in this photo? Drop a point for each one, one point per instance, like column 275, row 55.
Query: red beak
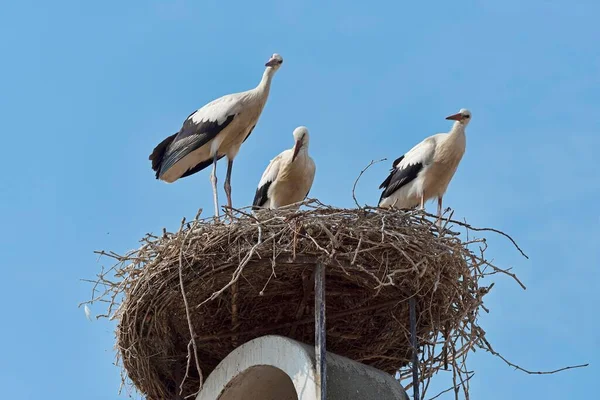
column 455, row 117
column 296, row 149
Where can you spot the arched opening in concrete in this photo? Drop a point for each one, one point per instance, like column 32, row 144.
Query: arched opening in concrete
column 263, row 382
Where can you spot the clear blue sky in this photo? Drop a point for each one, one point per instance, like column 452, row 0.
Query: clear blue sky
column 87, row 89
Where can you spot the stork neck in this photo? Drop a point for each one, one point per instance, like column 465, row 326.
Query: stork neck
column 458, row 129
column 265, row 82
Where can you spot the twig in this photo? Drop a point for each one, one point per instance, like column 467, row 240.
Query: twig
column 449, row 389
column 505, row 271
column 515, row 366
column 189, row 319
column 471, row 227
column 358, row 178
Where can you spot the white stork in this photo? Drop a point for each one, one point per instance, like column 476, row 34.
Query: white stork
column 288, row 177
column 426, row 170
column 216, row 130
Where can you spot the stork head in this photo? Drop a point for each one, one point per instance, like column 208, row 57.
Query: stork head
column 301, row 138
column 275, row 61
column 463, row 116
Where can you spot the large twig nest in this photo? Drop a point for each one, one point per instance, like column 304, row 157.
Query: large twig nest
column 253, row 276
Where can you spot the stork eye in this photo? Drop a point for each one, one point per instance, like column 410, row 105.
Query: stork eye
column 466, row 116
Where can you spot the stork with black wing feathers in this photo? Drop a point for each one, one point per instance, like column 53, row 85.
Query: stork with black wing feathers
column 426, row 170
column 214, row 131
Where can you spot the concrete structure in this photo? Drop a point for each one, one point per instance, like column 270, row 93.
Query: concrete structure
column 278, row 368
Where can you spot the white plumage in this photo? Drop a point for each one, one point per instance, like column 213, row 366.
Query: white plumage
column 216, row 130
column 426, row 170
column 288, row 177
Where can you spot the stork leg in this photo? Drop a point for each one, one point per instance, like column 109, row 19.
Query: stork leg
column 422, row 202
column 228, row 186
column 213, row 180
column 439, row 212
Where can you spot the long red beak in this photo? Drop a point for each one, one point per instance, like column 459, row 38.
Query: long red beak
column 296, row 149
column 455, row 117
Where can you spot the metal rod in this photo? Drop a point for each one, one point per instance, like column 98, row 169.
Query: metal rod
column 320, row 349
column 413, row 341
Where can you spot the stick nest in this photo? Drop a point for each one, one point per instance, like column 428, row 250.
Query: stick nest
column 223, row 284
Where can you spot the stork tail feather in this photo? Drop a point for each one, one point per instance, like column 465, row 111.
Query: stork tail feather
column 159, row 152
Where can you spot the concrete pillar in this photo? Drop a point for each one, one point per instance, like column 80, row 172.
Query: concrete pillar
column 278, row 368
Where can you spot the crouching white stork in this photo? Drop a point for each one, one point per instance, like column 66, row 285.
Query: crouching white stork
column 288, row 177
column 426, row 170
column 216, row 130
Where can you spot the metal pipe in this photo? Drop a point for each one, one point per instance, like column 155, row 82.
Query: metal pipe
column 413, row 341
column 320, row 333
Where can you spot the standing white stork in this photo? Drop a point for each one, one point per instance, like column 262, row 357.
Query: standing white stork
column 217, row 129
column 426, row 170
column 288, row 177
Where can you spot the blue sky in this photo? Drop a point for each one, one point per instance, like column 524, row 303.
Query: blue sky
column 87, row 89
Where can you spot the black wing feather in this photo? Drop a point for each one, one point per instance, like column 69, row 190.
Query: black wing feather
column 199, row 167
column 191, row 137
column 399, row 178
column 261, row 196
column 389, row 178
column 397, row 161
column 159, row 152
